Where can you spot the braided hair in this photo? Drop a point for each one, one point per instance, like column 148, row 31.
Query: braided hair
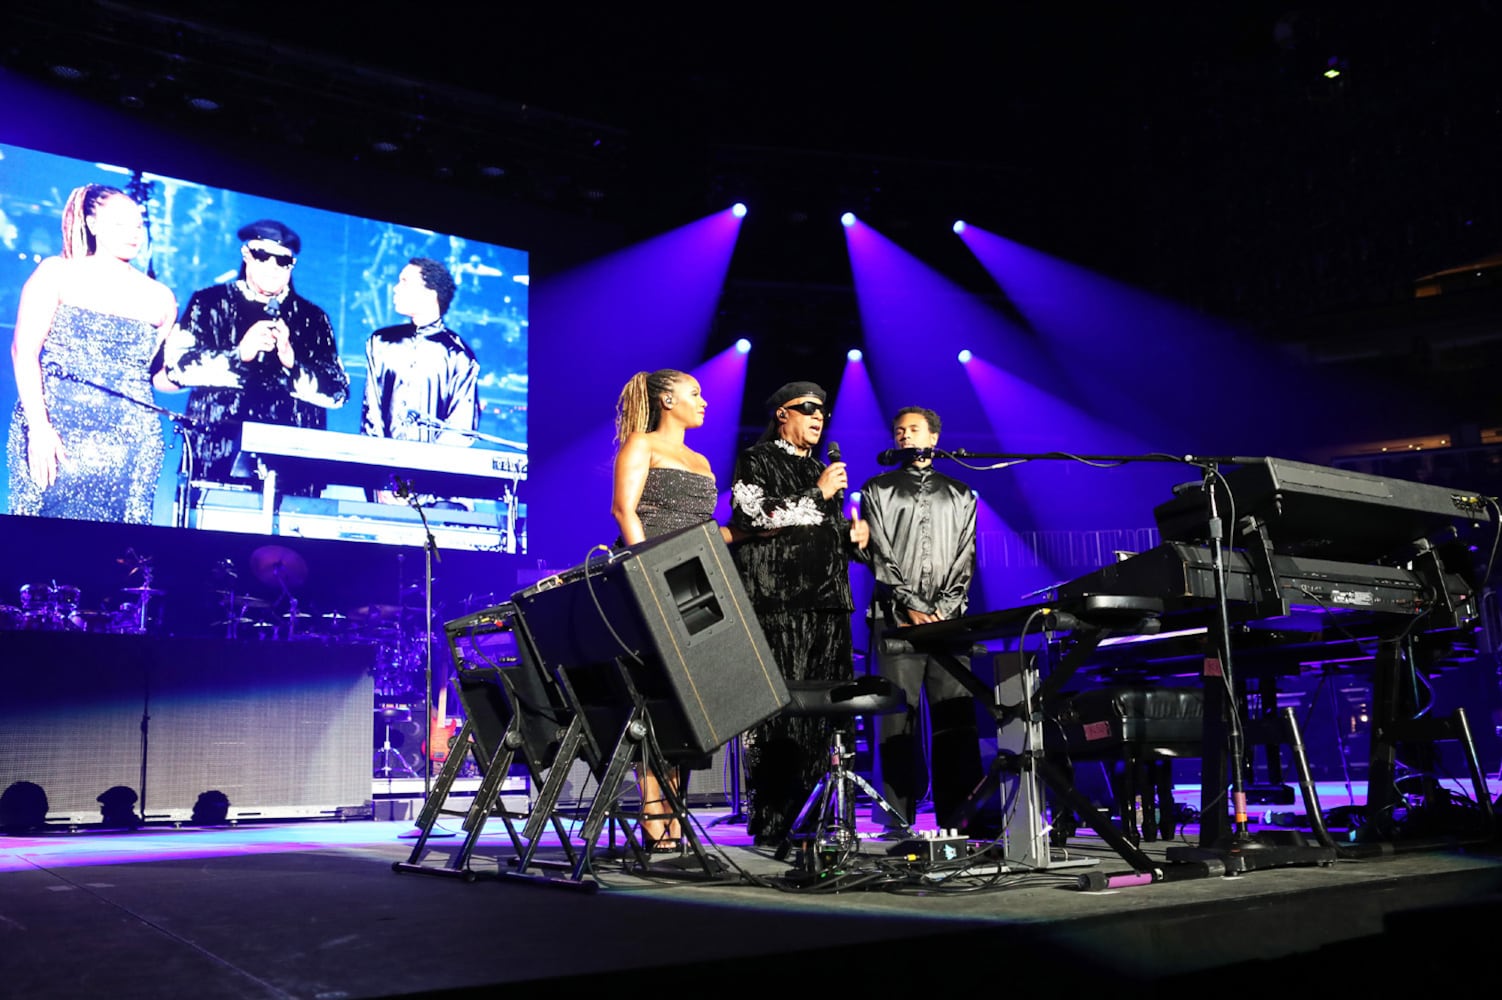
column 639, row 407
column 81, row 205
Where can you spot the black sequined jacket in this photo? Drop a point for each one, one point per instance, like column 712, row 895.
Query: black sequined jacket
column 805, row 565
column 203, row 353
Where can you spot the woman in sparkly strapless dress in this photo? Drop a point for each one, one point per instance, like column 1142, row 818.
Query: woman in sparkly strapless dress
column 661, row 485
column 88, row 326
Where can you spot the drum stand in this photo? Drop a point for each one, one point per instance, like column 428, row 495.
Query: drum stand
column 382, row 765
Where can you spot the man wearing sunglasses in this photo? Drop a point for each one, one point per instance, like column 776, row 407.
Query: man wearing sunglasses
column 253, row 349
column 794, row 557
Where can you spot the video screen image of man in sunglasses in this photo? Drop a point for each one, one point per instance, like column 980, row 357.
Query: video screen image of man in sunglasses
column 253, row 349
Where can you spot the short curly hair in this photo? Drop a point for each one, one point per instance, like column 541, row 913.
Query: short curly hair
column 922, row 411
column 437, row 278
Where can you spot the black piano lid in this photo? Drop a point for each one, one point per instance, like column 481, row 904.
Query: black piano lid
column 1333, row 513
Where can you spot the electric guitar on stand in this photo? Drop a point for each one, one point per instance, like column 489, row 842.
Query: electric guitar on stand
column 441, row 729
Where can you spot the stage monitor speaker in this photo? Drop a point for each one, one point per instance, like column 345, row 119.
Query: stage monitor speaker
column 499, row 677
column 670, row 618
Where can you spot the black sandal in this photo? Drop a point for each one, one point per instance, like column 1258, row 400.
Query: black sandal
column 668, row 844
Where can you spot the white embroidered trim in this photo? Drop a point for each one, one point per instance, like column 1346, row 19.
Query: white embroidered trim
column 752, row 501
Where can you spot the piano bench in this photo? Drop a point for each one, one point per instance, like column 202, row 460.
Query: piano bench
column 1141, row 729
column 865, row 695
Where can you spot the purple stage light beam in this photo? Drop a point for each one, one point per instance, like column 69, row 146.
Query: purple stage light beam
column 1186, row 381
column 645, row 307
column 722, row 379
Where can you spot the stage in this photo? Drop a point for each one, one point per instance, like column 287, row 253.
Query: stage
column 314, row 910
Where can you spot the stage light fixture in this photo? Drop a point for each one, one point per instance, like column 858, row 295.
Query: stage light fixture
column 959, row 226
column 847, row 220
column 743, row 346
column 854, row 354
column 965, row 357
column 738, row 210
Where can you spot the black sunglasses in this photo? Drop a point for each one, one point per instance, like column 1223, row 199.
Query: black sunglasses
column 808, row 407
column 282, row 259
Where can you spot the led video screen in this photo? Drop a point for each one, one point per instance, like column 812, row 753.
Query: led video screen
column 195, row 357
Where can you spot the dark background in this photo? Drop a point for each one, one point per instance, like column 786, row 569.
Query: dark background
column 1193, row 150
column 1197, row 152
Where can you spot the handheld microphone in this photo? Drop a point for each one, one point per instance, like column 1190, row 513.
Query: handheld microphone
column 273, row 309
column 834, row 456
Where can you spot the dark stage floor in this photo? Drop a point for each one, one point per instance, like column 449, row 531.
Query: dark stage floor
column 313, row 910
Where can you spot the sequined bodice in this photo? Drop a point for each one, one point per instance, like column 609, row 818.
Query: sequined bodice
column 96, row 382
column 675, row 498
column 108, row 350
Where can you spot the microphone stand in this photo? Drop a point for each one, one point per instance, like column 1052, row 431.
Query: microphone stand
column 182, row 424
column 403, row 489
column 898, row 456
column 425, row 420
column 512, row 484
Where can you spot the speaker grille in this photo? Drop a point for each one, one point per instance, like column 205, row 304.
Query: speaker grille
column 283, row 729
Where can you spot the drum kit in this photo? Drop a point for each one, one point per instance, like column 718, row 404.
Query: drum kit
column 274, row 612
column 50, row 606
column 397, row 631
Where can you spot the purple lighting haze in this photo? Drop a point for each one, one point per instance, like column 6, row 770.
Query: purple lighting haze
column 859, row 424
column 1006, row 567
column 645, row 307
column 1008, row 398
column 1182, row 380
column 860, row 427
column 723, row 381
column 1060, row 494
column 915, row 323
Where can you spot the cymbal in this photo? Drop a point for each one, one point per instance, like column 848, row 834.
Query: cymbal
column 244, row 600
column 378, row 613
column 141, row 590
column 278, row 566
